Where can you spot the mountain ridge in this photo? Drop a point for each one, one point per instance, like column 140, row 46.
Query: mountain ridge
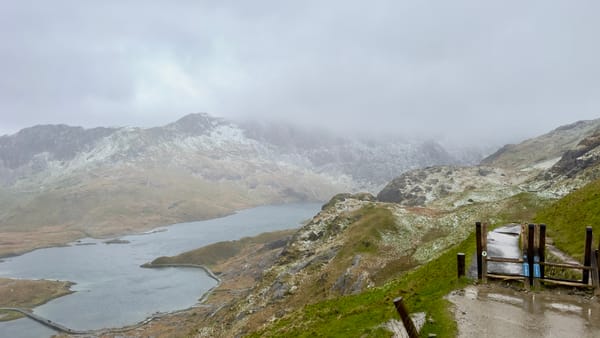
column 103, row 181
column 542, row 148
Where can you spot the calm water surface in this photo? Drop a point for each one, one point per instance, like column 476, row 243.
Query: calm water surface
column 113, row 291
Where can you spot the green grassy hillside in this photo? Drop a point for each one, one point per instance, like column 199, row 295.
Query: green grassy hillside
column 423, row 288
column 362, row 314
column 567, row 218
column 216, row 253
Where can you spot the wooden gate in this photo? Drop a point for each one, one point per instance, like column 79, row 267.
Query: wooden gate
column 533, row 259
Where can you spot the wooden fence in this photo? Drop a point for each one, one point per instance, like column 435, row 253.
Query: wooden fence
column 533, row 261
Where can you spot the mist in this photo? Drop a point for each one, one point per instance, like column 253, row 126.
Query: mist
column 460, row 72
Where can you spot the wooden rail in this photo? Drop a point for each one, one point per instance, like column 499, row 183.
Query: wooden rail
column 506, row 277
column 504, row 260
column 566, row 265
column 564, row 282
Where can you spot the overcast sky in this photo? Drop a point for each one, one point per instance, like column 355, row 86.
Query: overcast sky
column 499, row 70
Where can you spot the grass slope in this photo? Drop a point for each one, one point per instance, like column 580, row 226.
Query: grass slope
column 423, row 290
column 567, row 218
column 363, row 314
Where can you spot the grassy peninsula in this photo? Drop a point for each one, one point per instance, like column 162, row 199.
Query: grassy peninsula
column 27, row 294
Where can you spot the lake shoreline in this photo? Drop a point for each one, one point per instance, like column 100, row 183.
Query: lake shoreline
column 68, row 239
column 67, row 236
column 237, row 274
column 144, row 247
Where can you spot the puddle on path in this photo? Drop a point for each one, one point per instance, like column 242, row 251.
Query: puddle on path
column 494, row 311
column 504, row 242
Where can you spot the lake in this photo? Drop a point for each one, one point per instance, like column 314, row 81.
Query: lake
column 112, row 290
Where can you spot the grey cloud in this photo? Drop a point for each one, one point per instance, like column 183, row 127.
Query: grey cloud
column 462, row 69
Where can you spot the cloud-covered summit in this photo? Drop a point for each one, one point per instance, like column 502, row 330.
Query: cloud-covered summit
column 460, row 70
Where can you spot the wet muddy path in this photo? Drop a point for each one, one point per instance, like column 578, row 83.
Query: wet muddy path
column 496, row 311
column 493, row 310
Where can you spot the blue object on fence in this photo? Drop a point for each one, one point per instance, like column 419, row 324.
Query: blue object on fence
column 536, row 271
column 525, row 269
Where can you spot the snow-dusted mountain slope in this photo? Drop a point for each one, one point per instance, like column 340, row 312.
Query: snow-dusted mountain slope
column 550, row 165
column 212, row 148
column 542, row 149
column 100, row 180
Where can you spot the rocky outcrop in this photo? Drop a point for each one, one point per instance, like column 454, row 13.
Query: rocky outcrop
column 551, row 165
column 450, row 186
column 576, row 168
column 585, row 155
column 542, row 148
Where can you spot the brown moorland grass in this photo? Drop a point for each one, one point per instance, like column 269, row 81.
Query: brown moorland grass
column 27, row 294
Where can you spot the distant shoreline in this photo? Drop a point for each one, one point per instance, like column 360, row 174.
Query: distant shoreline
column 114, row 235
column 183, row 265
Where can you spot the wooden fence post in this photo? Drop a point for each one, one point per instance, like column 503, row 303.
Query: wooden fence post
column 460, row 259
column 530, row 251
column 587, row 255
column 478, row 244
column 596, row 272
column 406, row 320
column 542, row 249
column 484, row 235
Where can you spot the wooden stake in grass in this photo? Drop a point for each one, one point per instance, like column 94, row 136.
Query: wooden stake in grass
column 530, row 251
column 542, row 249
column 406, row 320
column 587, row 255
column 484, row 253
column 478, row 241
column 460, row 261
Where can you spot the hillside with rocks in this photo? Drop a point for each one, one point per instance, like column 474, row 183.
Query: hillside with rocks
column 63, row 182
column 359, row 245
column 543, row 150
column 550, row 165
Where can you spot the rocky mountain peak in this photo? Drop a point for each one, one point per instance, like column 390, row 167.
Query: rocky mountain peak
column 196, row 124
column 59, row 142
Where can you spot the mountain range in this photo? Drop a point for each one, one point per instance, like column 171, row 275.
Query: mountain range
column 60, row 183
column 69, row 182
